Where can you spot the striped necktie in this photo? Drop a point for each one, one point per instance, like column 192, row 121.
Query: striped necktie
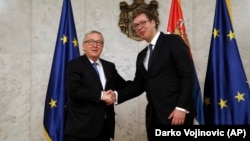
column 95, row 66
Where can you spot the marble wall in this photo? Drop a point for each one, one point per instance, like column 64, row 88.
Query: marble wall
column 28, row 31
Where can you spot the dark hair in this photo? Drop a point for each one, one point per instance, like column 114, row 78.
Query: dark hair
column 148, row 14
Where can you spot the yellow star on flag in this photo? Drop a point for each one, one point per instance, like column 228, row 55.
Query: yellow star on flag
column 52, row 103
column 215, row 33
column 207, row 101
column 222, row 103
column 75, row 42
column 240, row 96
column 64, row 39
column 231, row 35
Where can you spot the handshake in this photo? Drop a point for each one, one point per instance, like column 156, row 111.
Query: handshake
column 109, row 97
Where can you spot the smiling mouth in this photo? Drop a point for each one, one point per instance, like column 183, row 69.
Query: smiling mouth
column 95, row 50
column 142, row 33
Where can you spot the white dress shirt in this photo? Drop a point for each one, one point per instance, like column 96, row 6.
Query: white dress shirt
column 101, row 72
column 153, row 42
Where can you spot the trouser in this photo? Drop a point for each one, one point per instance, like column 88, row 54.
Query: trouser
column 104, row 136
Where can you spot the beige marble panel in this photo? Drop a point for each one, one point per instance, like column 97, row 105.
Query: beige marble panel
column 15, row 34
column 45, row 23
column 15, row 30
column 202, row 24
column 15, row 97
column 240, row 20
column 40, row 66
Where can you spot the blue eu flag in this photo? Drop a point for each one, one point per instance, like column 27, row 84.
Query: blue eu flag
column 226, row 90
column 56, row 100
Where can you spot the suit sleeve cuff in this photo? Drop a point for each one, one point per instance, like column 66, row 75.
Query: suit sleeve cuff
column 182, row 109
column 101, row 95
column 116, row 100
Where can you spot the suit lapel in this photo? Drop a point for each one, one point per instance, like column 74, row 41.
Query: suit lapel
column 156, row 50
column 91, row 69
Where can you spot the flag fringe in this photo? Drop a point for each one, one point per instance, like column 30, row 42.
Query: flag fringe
column 46, row 135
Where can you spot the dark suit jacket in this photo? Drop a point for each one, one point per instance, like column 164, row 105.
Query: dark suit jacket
column 86, row 111
column 168, row 82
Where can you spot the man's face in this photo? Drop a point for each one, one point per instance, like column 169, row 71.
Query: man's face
column 93, row 46
column 144, row 27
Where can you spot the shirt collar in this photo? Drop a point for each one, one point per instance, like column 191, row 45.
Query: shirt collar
column 97, row 61
column 153, row 42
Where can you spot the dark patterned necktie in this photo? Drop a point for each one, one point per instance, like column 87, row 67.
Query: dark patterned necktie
column 150, row 47
column 95, row 66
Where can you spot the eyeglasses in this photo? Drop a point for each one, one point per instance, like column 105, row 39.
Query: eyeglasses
column 92, row 42
column 140, row 24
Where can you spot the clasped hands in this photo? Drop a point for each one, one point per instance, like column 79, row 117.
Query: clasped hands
column 109, row 97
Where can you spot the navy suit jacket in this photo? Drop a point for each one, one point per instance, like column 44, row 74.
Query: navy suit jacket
column 86, row 113
column 169, row 80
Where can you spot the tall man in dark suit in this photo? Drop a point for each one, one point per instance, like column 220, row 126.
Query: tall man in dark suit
column 166, row 76
column 91, row 115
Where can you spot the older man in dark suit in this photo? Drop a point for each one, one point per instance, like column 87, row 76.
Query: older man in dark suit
column 91, row 115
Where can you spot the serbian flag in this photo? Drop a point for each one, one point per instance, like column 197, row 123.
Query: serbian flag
column 176, row 26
